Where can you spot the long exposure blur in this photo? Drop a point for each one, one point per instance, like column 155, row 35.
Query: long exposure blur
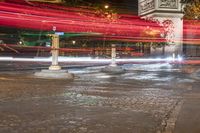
column 104, row 66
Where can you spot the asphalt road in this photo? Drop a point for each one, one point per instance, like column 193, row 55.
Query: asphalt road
column 148, row 98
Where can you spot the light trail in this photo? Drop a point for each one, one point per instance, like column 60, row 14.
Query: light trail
column 89, row 59
column 48, row 22
column 45, row 19
column 124, row 28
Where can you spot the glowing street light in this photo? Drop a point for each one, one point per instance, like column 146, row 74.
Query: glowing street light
column 20, row 42
column 73, row 42
column 106, row 6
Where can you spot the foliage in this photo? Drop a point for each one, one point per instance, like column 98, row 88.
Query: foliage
column 186, row 1
column 86, row 3
column 97, row 6
column 192, row 9
column 74, row 2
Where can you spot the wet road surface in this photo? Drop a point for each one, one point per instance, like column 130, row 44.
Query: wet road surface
column 151, row 98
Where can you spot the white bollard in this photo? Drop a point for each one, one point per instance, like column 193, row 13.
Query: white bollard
column 113, row 56
column 55, row 52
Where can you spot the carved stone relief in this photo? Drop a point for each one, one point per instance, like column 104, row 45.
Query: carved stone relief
column 146, row 5
column 170, row 4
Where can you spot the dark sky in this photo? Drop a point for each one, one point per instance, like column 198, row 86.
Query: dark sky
column 123, row 6
column 127, row 5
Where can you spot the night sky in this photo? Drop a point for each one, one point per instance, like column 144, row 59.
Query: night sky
column 122, row 6
column 127, row 5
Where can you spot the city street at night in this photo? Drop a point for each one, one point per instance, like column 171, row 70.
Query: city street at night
column 147, row 98
column 99, row 66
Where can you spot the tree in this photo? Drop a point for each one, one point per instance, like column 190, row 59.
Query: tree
column 192, row 9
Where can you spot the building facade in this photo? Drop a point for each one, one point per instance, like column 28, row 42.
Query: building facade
column 168, row 13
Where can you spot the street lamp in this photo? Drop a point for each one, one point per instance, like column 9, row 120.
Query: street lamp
column 73, row 42
column 106, row 6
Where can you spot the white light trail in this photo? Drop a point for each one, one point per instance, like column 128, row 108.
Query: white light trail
column 89, row 59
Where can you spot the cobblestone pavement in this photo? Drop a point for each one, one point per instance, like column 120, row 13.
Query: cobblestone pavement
column 146, row 99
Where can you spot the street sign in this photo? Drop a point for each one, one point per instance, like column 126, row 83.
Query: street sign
column 59, row 33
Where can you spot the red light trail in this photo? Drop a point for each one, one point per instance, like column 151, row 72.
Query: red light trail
column 20, row 14
column 69, row 20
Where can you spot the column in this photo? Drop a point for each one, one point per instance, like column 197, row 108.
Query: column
column 113, row 55
column 55, row 52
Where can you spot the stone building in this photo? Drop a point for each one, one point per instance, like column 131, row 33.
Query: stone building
column 169, row 14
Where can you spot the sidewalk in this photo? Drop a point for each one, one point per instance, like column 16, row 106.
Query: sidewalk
column 189, row 117
column 18, row 66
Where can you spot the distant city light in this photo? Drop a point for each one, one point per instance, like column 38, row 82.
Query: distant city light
column 180, row 58
column 106, row 6
column 73, row 42
column 20, row 42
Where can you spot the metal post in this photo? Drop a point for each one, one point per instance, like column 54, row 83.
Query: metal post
column 55, row 52
column 113, row 55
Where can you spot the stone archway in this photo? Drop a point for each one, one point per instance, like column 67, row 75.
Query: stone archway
column 165, row 11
